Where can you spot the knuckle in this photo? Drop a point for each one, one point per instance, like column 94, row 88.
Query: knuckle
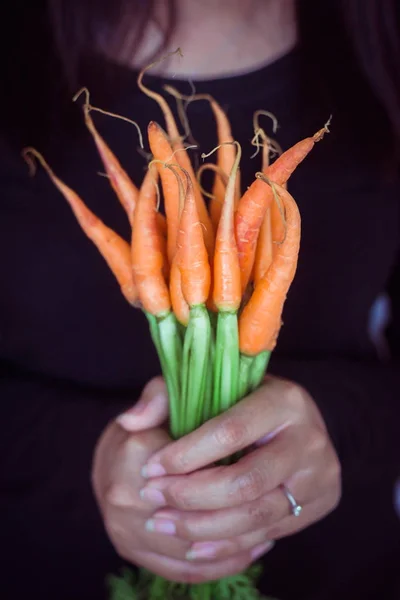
column 179, row 497
column 317, row 442
column 231, row 433
column 295, row 397
column 250, row 485
column 176, row 462
column 259, row 516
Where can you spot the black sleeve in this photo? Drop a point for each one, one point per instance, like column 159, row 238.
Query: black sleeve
column 52, row 532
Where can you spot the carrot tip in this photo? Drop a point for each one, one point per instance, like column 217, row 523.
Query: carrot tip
column 28, row 155
column 325, row 129
column 79, row 93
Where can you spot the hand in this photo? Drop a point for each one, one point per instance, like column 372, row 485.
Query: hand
column 220, row 510
column 120, row 455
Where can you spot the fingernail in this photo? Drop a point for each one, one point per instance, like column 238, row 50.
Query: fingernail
column 261, row 549
column 130, row 417
column 153, row 470
column 153, row 496
column 160, row 526
column 203, row 550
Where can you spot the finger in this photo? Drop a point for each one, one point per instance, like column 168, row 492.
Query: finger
column 266, row 511
column 129, row 534
column 251, row 477
column 228, row 523
column 190, row 572
column 311, row 513
column 151, row 410
column 122, row 489
column 222, row 549
column 265, row 412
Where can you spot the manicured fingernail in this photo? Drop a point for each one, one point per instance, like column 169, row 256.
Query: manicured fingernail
column 203, row 550
column 161, row 526
column 132, row 416
column 153, row 496
column 154, row 470
column 261, row 549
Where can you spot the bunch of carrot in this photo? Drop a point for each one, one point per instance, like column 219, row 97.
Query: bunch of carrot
column 212, row 283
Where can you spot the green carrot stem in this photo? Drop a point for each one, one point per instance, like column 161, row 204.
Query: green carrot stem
column 226, row 369
column 203, row 592
column 196, row 354
column 258, row 369
column 171, row 352
column 245, row 366
column 187, row 344
column 208, row 397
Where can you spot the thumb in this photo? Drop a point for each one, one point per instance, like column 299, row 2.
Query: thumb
column 151, row 410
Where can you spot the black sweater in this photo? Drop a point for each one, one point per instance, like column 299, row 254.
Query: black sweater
column 74, row 354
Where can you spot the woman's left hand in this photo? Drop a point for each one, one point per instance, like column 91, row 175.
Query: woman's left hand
column 224, row 510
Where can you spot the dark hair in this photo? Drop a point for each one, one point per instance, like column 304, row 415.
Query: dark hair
column 50, row 49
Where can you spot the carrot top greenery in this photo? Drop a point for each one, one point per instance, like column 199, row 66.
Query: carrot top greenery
column 212, row 283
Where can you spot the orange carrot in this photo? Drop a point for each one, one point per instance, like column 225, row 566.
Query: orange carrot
column 280, row 171
column 181, row 155
column 163, row 154
column 260, row 321
column 148, row 261
column 192, row 257
column 248, row 220
column 225, row 155
column 179, row 305
column 227, row 289
column 255, row 201
column 273, row 220
column 264, row 250
column 126, row 191
column 225, row 159
column 111, row 246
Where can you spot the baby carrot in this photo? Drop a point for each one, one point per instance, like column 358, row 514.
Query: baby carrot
column 126, row 191
column 192, row 257
column 226, row 152
column 182, row 157
column 264, row 249
column 280, row 171
column 111, row 246
column 227, row 298
column 147, row 252
column 255, row 201
column 149, row 262
column 227, row 288
column 260, row 321
column 163, row 154
column 178, row 301
column 248, row 220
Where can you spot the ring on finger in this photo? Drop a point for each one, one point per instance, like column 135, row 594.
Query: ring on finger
column 295, row 507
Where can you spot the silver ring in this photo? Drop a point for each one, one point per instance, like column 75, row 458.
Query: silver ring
column 295, row 507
